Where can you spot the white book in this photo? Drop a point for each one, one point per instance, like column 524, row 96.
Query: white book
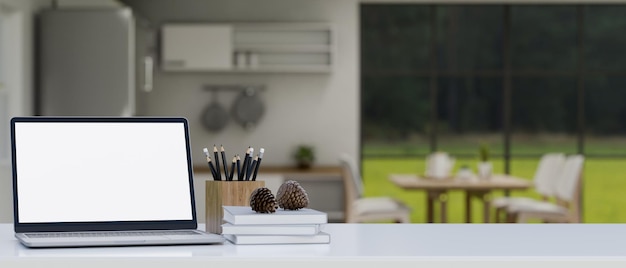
column 244, row 215
column 271, row 229
column 320, row 238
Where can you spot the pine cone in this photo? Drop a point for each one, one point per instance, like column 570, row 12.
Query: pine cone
column 262, row 200
column 292, row 196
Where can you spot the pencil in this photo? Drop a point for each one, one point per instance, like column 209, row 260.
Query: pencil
column 258, row 163
column 215, row 176
column 224, row 162
column 244, row 169
column 217, row 163
column 208, row 160
column 248, row 164
column 232, row 169
column 252, row 166
column 238, row 168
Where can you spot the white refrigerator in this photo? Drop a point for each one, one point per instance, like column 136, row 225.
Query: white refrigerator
column 91, row 62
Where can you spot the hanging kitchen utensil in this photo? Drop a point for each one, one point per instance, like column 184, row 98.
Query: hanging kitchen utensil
column 248, row 108
column 214, row 116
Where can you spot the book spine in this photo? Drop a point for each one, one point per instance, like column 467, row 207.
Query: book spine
column 271, row 230
column 275, row 219
column 322, row 238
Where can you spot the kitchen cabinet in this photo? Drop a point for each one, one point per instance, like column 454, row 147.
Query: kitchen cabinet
column 193, row 47
column 250, row 47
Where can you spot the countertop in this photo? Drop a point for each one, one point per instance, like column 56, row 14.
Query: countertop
column 406, row 245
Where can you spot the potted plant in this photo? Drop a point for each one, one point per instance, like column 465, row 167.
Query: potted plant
column 484, row 165
column 304, row 156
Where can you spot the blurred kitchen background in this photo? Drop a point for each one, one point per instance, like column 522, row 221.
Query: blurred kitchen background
column 275, row 74
column 386, row 82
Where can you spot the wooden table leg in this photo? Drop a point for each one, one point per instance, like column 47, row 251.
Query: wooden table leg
column 443, row 205
column 433, row 197
column 484, row 198
column 430, row 207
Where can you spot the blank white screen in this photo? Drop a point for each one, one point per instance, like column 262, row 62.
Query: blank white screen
column 85, row 172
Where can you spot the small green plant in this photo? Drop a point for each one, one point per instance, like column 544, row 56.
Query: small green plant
column 483, row 153
column 304, row 156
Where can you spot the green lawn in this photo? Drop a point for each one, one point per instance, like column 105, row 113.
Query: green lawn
column 604, row 187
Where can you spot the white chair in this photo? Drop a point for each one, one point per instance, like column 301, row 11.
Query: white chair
column 368, row 209
column 544, row 180
column 567, row 193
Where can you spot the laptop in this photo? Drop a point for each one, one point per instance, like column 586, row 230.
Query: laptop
column 103, row 181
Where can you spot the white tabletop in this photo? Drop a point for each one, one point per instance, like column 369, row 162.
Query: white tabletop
column 490, row 245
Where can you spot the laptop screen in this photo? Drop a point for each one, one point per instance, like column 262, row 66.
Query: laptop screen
column 102, row 173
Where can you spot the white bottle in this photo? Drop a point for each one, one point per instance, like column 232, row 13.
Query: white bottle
column 253, row 60
column 240, row 60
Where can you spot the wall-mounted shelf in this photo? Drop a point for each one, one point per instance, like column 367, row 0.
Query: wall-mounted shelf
column 283, row 48
column 250, row 47
column 196, row 47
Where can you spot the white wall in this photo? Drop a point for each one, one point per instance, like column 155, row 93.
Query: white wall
column 317, row 109
column 18, row 69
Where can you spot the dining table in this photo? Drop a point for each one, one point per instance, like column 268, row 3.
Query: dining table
column 473, row 187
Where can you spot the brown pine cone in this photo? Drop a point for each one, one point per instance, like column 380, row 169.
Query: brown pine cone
column 292, row 196
column 262, row 200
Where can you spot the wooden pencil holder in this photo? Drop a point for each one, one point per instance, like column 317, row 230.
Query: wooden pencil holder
column 226, row 193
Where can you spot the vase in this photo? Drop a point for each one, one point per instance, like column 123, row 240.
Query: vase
column 485, row 170
column 304, row 164
column 226, row 193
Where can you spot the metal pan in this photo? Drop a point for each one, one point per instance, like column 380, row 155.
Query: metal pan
column 248, row 108
column 214, row 116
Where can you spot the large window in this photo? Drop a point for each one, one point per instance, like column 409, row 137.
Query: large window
column 524, row 79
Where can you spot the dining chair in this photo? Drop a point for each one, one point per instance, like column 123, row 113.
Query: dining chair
column 361, row 209
column 567, row 192
column 544, row 182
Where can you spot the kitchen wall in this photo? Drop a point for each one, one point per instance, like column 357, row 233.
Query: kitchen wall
column 17, row 78
column 317, row 109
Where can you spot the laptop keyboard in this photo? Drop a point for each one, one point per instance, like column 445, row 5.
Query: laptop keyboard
column 110, row 234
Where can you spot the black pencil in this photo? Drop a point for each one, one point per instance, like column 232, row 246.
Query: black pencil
column 238, row 168
column 248, row 164
column 258, row 163
column 217, row 162
column 224, row 162
column 244, row 167
column 215, row 176
column 232, row 169
column 208, row 160
column 252, row 167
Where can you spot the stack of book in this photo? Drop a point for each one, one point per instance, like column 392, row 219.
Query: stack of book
column 245, row 226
